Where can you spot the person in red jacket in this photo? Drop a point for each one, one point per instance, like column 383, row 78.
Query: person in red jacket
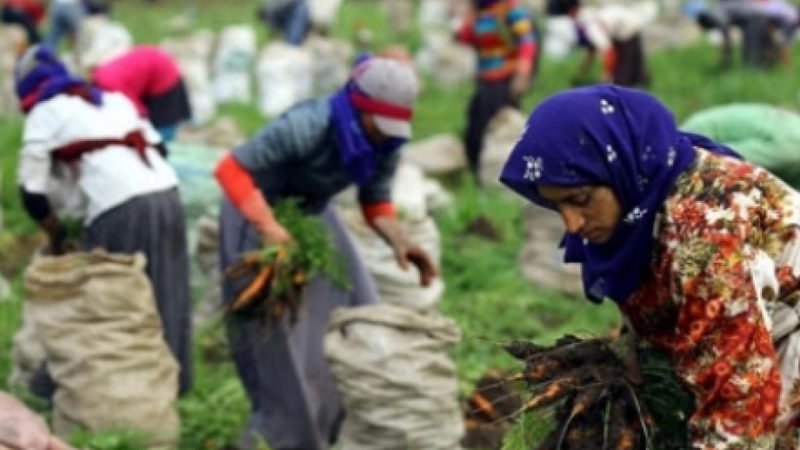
column 147, row 75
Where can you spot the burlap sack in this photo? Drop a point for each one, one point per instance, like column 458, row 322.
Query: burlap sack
column 95, row 315
column 501, row 135
column 397, row 382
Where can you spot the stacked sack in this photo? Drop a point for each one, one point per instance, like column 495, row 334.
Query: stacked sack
column 390, row 361
column 96, row 318
column 193, row 55
column 233, row 61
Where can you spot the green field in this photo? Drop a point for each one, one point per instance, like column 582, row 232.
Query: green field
column 485, row 294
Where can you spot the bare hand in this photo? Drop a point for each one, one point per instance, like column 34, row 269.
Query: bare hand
column 520, row 85
column 275, row 233
column 413, row 254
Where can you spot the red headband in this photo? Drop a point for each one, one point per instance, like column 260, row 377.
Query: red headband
column 380, row 108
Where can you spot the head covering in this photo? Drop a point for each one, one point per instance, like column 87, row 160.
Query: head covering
column 100, row 41
column 358, row 154
column 387, row 89
column 611, row 136
column 40, row 76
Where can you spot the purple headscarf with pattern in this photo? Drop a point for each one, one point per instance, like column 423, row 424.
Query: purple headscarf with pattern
column 611, row 136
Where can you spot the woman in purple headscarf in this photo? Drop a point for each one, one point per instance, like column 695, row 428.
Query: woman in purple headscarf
column 699, row 249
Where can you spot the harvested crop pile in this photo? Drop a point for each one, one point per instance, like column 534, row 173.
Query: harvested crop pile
column 600, row 399
column 277, row 274
column 489, row 411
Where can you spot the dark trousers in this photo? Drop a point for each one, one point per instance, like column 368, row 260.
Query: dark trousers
column 13, row 15
column 489, row 98
column 631, row 68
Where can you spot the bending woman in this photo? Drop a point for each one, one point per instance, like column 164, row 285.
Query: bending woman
column 313, row 151
column 699, row 249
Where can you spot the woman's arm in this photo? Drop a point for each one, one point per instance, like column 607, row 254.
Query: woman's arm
column 241, row 190
column 722, row 346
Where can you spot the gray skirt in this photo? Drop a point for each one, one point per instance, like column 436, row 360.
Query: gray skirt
column 154, row 225
column 294, row 402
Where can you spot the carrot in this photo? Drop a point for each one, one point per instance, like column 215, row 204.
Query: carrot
column 247, row 264
column 586, row 399
column 484, row 405
column 542, row 370
column 557, row 390
column 627, row 438
column 254, row 290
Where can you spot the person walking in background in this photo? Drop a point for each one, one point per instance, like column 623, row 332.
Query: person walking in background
column 502, row 33
column 292, row 18
column 614, row 32
column 88, row 154
column 147, row 75
column 697, row 248
column 26, row 13
column 313, row 151
column 65, row 18
column 768, row 28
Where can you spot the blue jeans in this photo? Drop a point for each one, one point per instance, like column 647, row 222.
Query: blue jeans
column 293, row 20
column 65, row 19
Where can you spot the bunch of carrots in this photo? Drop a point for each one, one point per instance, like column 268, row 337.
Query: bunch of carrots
column 598, row 400
column 278, row 273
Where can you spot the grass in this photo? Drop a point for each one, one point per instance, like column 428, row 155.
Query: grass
column 485, row 294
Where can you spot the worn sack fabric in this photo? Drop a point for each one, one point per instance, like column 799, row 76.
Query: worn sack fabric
column 501, row 135
column 27, row 354
column 285, row 77
column 96, row 317
column 395, row 285
column 398, row 385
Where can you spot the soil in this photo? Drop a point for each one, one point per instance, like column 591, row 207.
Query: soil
column 483, row 227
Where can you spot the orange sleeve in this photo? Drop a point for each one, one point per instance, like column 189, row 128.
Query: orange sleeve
column 372, row 211
column 235, row 180
column 610, row 61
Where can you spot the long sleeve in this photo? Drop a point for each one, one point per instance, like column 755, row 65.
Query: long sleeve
column 722, row 346
column 521, row 25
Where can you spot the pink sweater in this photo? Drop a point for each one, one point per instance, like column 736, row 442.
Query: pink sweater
column 144, row 71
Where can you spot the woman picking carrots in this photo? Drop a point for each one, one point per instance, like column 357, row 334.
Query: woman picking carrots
column 698, row 248
column 313, row 151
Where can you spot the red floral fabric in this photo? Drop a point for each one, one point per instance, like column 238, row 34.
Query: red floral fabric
column 721, row 301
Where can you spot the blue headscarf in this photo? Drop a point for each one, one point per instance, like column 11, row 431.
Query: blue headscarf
column 40, row 76
column 358, row 155
column 611, row 136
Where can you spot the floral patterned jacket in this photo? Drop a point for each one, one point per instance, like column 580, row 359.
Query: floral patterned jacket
column 722, row 299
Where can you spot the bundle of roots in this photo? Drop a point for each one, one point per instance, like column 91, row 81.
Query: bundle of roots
column 275, row 285
column 598, row 398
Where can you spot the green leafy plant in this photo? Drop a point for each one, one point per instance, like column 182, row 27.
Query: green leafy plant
column 278, row 273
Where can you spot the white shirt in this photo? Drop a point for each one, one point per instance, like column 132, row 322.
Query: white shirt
column 100, row 179
column 615, row 22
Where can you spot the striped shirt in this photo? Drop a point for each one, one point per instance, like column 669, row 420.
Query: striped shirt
column 502, row 33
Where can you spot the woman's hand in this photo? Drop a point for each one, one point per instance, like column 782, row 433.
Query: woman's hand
column 274, row 233
column 405, row 251
column 413, row 254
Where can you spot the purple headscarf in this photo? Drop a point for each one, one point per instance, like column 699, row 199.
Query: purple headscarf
column 611, row 136
column 358, row 155
column 40, row 76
